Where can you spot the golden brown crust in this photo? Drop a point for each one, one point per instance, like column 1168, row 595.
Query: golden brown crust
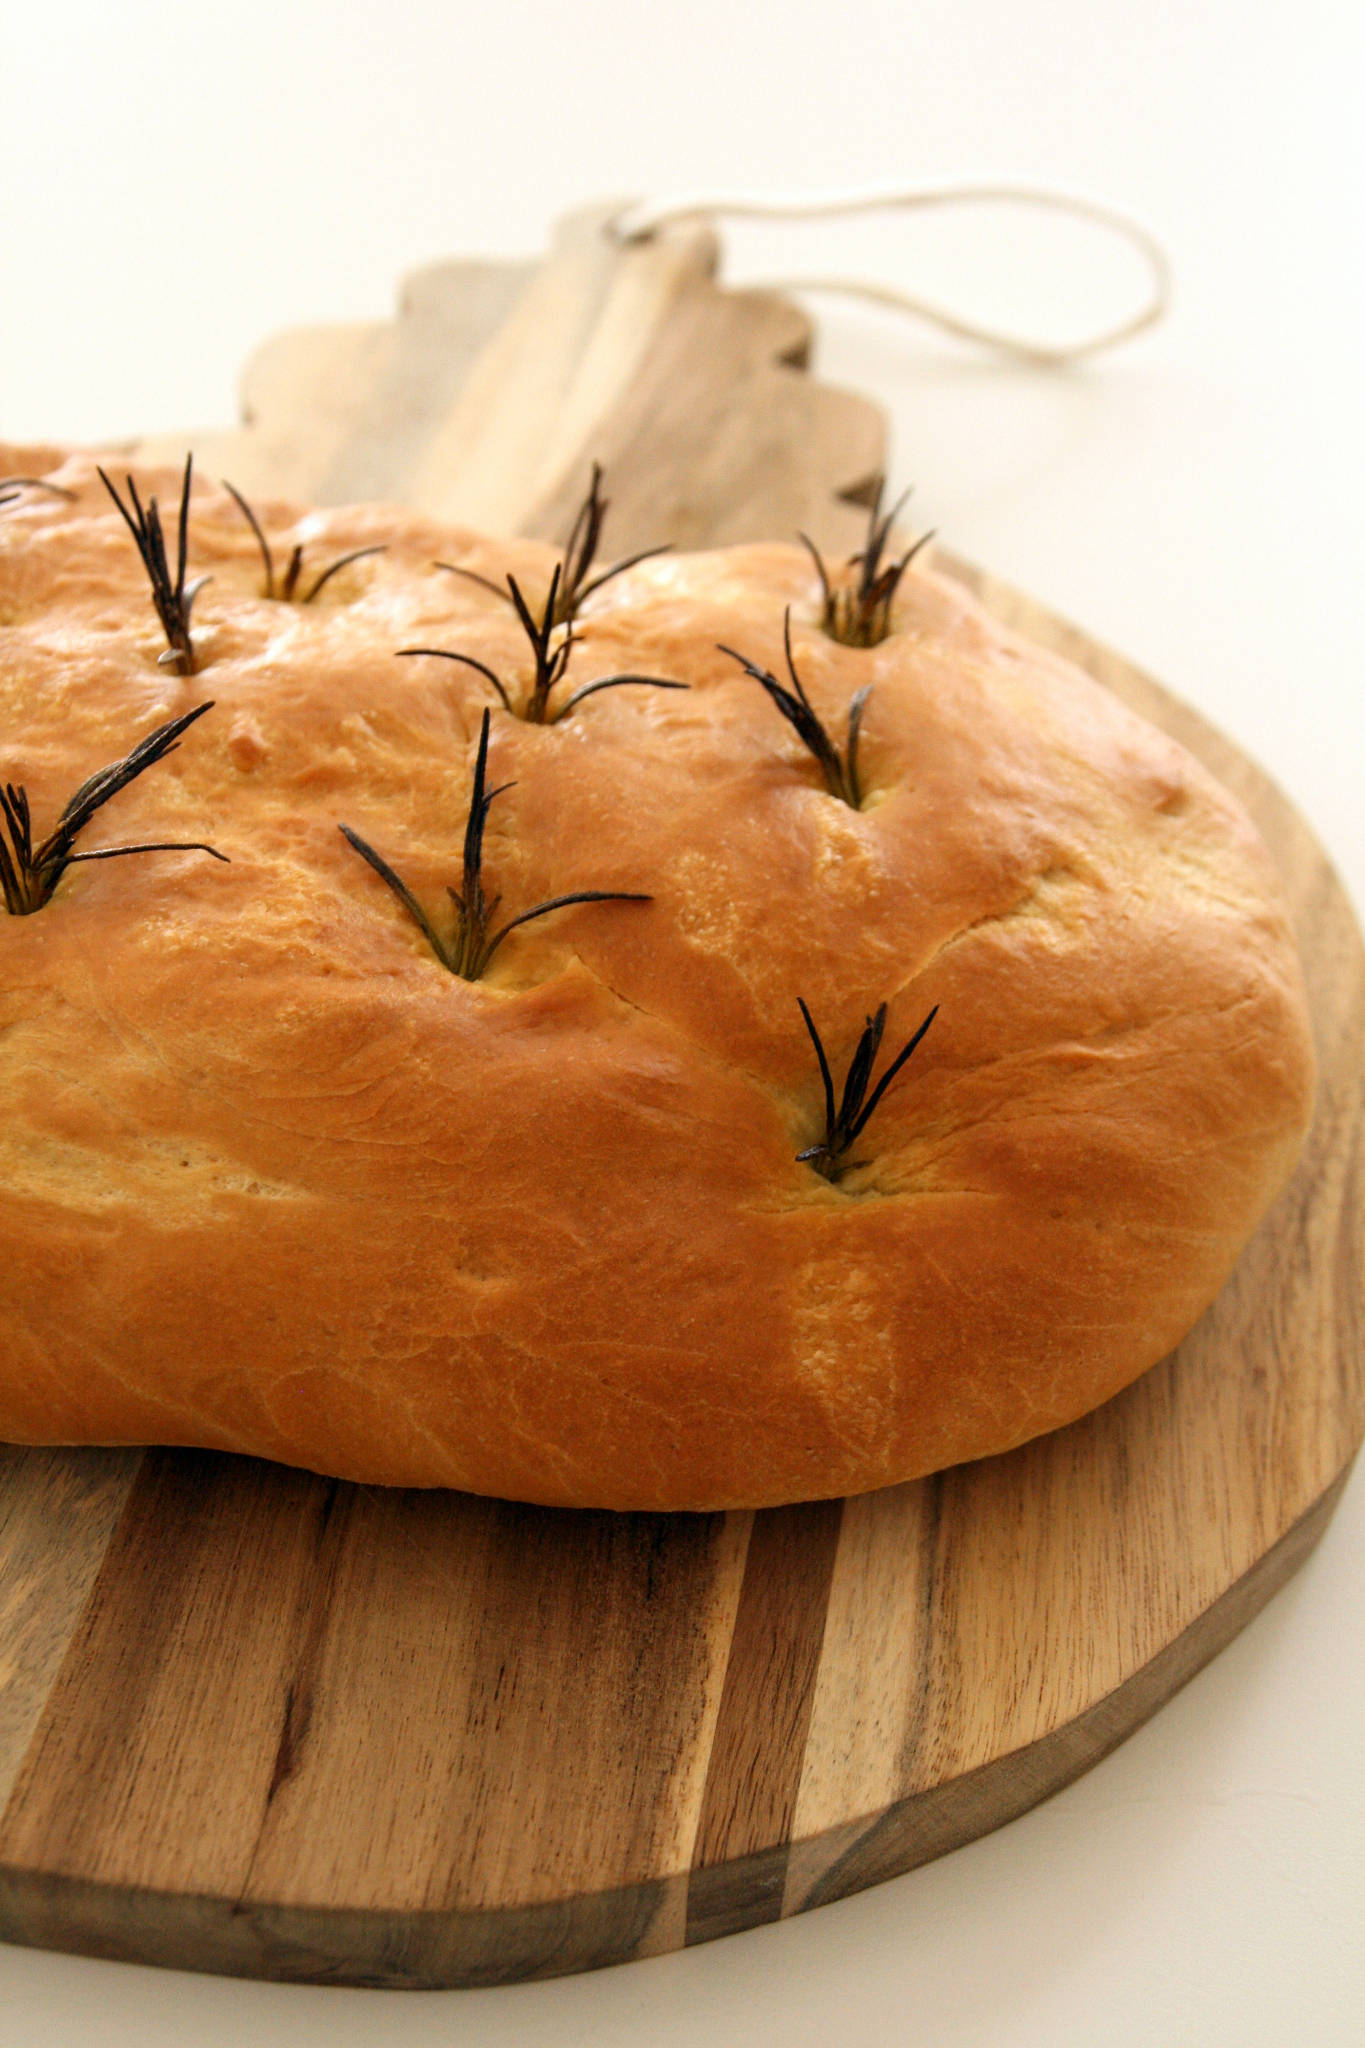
column 271, row 1179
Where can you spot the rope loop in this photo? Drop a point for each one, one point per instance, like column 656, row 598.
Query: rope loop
column 642, row 220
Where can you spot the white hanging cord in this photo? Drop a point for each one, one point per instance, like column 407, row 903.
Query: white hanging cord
column 643, row 219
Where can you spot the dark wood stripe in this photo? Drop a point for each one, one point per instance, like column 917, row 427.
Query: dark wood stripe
column 157, row 1746
column 496, row 1709
column 59, row 1510
column 761, row 1728
column 284, row 1686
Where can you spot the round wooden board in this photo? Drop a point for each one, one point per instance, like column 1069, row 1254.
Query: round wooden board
column 258, row 1722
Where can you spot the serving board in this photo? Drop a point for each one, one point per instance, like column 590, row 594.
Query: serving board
column 256, row 1721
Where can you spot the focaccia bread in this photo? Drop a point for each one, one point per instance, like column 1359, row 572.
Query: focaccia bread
column 275, row 1179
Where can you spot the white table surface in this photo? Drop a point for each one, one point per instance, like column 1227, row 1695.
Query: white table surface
column 179, row 182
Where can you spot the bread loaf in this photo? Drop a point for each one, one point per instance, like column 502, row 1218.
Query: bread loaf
column 273, row 1178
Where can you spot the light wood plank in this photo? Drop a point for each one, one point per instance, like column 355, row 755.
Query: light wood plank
column 497, row 385
column 58, row 1513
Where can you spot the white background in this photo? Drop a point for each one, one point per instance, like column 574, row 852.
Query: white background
column 179, row 182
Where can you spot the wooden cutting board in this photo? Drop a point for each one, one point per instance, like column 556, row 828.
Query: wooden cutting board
column 260, row 1722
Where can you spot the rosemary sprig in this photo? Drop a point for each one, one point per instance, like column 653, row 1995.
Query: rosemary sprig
column 580, row 553
column 858, row 614
column 844, row 1124
column 551, row 646
column 29, row 873
column 841, row 774
column 473, row 942
column 466, row 661
column 576, row 582
column 13, row 488
column 551, row 658
column 172, row 600
column 288, row 590
column 550, row 632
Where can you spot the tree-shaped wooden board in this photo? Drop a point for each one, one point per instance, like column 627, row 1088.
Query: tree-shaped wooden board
column 256, row 1721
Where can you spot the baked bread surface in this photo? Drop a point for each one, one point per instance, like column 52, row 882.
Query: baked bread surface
column 273, row 1180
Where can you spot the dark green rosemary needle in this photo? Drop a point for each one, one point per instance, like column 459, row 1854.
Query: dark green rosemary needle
column 29, row 873
column 173, row 601
column 571, row 585
column 473, row 941
column 580, row 553
column 845, row 1122
column 13, row 488
column 840, row 773
column 858, row 614
column 551, row 645
column 288, row 591
column 576, row 582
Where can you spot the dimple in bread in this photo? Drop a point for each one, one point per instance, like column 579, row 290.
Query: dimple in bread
column 274, row 1180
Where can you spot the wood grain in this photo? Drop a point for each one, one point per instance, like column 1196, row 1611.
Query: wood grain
column 758, row 1747
column 488, row 397
column 57, row 1517
column 258, row 1722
